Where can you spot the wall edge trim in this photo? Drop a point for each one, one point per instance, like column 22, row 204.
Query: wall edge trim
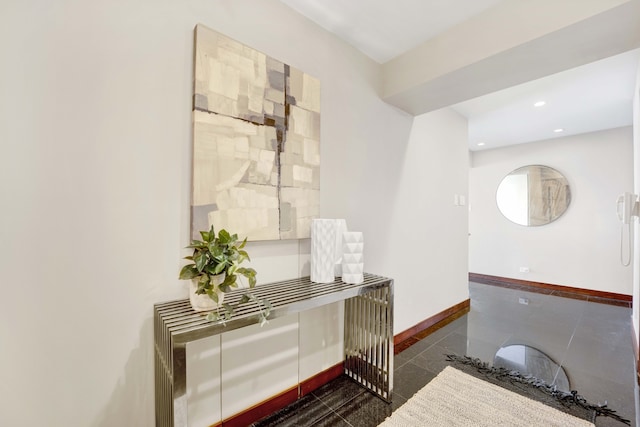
column 434, row 322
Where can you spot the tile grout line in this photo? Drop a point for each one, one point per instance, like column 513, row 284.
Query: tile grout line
column 564, row 358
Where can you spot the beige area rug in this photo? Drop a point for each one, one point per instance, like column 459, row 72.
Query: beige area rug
column 454, row 398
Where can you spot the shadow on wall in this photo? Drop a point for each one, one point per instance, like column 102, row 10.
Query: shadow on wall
column 131, row 403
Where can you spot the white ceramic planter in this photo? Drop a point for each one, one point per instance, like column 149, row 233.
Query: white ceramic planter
column 341, row 227
column 352, row 257
column 204, row 302
column 323, row 250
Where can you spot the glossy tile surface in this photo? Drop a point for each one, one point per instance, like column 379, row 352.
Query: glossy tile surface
column 590, row 341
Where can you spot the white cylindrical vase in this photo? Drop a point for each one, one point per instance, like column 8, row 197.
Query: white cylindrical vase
column 352, row 257
column 323, row 250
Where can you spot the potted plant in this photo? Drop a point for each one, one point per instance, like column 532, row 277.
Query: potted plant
column 215, row 269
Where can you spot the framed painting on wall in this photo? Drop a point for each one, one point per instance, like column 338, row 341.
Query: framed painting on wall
column 256, row 142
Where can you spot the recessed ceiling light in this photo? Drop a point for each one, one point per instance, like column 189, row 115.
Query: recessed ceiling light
column 480, row 144
column 558, row 130
column 539, row 104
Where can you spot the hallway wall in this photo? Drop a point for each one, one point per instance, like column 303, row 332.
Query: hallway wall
column 582, row 247
column 636, row 180
column 95, row 177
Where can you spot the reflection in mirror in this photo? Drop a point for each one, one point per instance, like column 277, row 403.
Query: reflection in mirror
column 531, row 361
column 533, row 195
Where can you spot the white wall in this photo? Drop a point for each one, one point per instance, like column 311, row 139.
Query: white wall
column 582, row 247
column 428, row 244
column 636, row 180
column 95, row 165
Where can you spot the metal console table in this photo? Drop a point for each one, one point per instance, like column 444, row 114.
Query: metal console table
column 368, row 337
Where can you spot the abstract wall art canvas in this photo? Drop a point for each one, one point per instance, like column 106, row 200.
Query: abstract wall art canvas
column 256, row 142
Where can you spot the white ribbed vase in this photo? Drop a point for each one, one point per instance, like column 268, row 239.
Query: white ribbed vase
column 323, row 250
column 352, row 257
column 341, row 227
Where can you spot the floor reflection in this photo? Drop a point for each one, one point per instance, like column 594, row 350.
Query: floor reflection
column 585, row 342
column 531, row 361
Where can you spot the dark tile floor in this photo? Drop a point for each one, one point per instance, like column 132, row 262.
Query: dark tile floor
column 591, row 341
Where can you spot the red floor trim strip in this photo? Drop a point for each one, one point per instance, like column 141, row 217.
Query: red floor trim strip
column 591, row 295
column 430, row 325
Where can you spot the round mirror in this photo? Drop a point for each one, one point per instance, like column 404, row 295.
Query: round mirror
column 533, row 195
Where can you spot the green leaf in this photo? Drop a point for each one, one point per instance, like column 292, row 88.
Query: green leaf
column 244, row 242
column 207, row 236
column 214, row 296
column 267, row 306
column 232, row 270
column 245, row 299
column 203, row 281
column 197, row 244
column 250, row 274
column 219, row 268
column 247, row 271
column 188, row 272
column 224, row 236
column 229, row 280
column 229, row 308
column 243, row 255
column 215, row 250
column 213, row 316
column 201, row 260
